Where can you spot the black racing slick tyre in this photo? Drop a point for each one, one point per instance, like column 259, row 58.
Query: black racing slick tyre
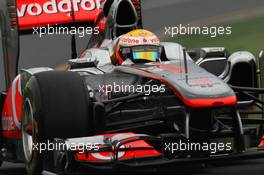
column 55, row 105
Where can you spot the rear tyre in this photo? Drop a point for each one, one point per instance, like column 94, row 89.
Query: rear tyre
column 55, row 105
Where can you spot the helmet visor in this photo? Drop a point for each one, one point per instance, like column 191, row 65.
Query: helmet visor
column 145, row 53
column 142, row 54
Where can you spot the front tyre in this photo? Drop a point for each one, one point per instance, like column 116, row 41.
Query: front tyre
column 55, row 105
column 33, row 158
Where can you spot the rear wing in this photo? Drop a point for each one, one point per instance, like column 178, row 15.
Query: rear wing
column 19, row 17
column 34, row 13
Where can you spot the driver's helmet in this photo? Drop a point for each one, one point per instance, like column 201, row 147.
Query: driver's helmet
column 140, row 46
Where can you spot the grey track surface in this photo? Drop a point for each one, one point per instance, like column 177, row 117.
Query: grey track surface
column 52, row 50
column 173, row 12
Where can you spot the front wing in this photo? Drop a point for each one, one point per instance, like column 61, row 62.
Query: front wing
column 116, row 154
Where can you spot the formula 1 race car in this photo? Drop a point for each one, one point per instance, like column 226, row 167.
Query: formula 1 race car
column 176, row 107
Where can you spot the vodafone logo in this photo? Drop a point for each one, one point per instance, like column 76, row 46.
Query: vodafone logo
column 53, row 7
column 139, row 40
column 130, row 41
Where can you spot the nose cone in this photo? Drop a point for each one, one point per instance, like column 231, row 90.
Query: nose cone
column 197, row 88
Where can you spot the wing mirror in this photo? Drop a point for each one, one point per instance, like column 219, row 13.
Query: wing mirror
column 261, row 68
column 261, row 54
column 83, row 62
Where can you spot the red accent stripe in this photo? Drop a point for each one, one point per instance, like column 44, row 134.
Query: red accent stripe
column 208, row 102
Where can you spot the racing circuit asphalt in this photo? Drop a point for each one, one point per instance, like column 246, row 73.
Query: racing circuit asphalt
column 156, row 15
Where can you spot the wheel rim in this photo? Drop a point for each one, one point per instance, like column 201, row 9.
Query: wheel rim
column 27, row 130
